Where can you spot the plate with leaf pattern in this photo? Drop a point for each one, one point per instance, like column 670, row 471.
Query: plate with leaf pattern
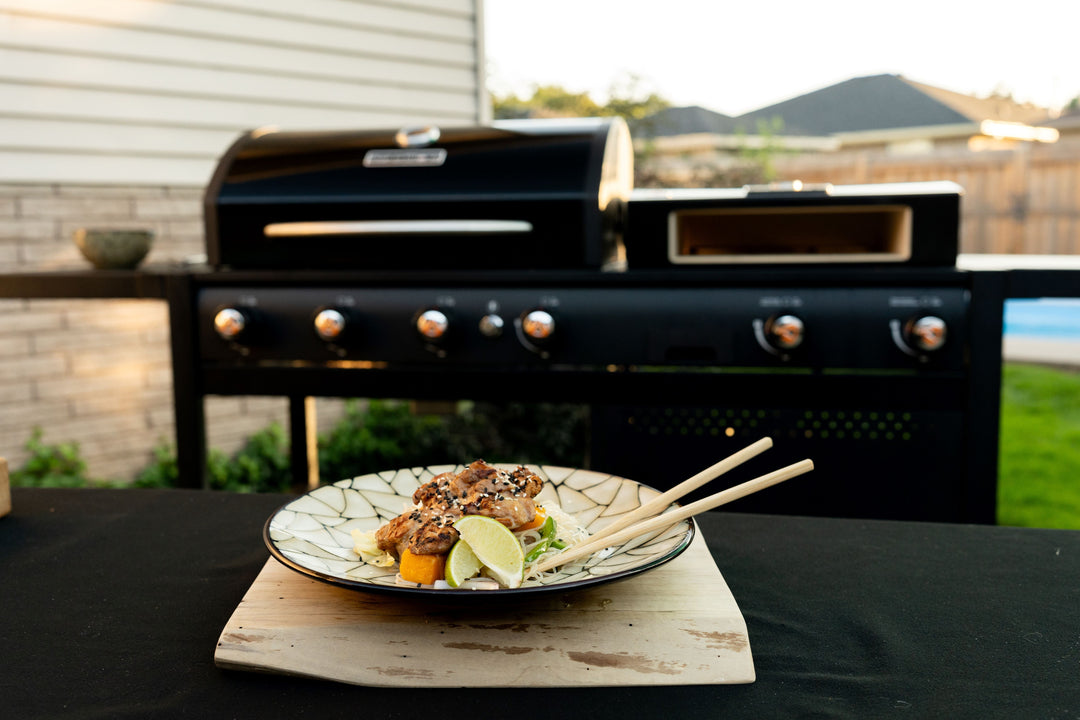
column 312, row 534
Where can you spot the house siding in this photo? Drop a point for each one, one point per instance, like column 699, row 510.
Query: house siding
column 151, row 91
column 114, row 113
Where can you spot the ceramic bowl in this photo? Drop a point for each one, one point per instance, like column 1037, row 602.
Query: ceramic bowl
column 114, row 249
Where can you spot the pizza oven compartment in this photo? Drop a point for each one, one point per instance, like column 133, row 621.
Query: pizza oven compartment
column 904, row 224
column 791, row 235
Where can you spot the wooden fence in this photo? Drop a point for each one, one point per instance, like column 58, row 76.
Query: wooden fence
column 1025, row 200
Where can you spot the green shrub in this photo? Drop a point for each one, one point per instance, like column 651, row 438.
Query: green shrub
column 370, row 437
column 384, row 435
column 58, row 465
column 543, row 433
column 162, row 471
column 387, row 435
column 381, row 436
column 261, row 465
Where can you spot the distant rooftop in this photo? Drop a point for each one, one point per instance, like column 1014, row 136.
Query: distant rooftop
column 875, row 102
column 685, row 121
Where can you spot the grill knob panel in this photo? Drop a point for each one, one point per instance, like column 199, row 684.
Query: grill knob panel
column 433, row 325
column 232, row 324
column 331, row 325
column 926, row 333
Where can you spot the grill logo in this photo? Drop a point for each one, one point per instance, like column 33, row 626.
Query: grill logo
column 410, row 157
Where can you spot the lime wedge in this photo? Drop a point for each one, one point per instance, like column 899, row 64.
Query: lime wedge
column 495, row 547
column 461, row 564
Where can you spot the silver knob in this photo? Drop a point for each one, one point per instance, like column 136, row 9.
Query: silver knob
column 230, row 323
column 491, row 326
column 433, row 325
column 926, row 333
column 330, row 324
column 785, row 332
column 538, row 326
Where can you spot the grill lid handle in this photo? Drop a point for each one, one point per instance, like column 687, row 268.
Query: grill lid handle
column 397, row 227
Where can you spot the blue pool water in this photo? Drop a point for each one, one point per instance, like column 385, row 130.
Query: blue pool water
column 1047, row 319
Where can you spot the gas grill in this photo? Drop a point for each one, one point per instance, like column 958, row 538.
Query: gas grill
column 514, row 262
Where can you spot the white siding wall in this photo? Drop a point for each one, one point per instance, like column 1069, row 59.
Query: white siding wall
column 151, row 91
column 113, row 113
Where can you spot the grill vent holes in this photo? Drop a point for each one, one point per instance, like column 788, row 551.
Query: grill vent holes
column 843, row 425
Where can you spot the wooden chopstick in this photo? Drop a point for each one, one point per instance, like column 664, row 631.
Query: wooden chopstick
column 662, row 501
column 667, row 519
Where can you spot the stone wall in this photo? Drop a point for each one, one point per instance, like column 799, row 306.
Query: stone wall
column 98, row 372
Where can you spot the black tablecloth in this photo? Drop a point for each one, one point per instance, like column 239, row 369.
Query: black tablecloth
column 112, row 602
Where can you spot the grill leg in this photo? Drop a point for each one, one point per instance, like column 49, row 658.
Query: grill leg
column 188, row 396
column 984, row 396
column 303, row 442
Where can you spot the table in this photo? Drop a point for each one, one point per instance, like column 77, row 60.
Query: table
column 112, row 602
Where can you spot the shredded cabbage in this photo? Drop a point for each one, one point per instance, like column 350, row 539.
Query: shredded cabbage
column 368, row 549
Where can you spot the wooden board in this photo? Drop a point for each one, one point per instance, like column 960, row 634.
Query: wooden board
column 676, row 625
column 5, row 489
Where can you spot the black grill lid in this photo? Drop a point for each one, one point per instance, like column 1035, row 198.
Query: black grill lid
column 516, row 194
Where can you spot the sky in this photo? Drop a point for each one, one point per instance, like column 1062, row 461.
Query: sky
column 734, row 57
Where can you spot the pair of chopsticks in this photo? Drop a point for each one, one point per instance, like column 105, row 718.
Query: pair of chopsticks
column 634, row 524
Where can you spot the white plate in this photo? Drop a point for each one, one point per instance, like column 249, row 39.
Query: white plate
column 312, row 534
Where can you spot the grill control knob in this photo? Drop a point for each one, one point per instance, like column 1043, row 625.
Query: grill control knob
column 784, row 332
column 926, row 333
column 491, row 326
column 232, row 324
column 433, row 325
column 538, row 326
column 331, row 325
column 536, row 330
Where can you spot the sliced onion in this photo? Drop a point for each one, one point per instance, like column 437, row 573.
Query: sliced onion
column 480, row 583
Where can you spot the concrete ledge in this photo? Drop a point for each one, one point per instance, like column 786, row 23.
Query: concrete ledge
column 1063, row 353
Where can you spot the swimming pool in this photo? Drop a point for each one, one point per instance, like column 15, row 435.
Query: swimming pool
column 1047, row 318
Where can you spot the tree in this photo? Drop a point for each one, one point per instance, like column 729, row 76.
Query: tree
column 752, row 164
column 761, row 155
column 629, row 100
column 547, row 101
column 626, row 99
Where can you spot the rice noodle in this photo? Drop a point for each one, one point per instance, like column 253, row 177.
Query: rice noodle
column 567, row 530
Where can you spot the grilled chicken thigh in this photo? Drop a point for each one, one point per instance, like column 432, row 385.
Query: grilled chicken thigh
column 479, row 489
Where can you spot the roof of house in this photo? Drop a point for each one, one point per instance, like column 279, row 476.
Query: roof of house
column 1067, row 121
column 684, row 121
column 874, row 102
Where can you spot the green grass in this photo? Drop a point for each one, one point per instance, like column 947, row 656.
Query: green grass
column 1039, row 468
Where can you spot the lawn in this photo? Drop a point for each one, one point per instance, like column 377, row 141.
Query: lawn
column 1039, row 470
